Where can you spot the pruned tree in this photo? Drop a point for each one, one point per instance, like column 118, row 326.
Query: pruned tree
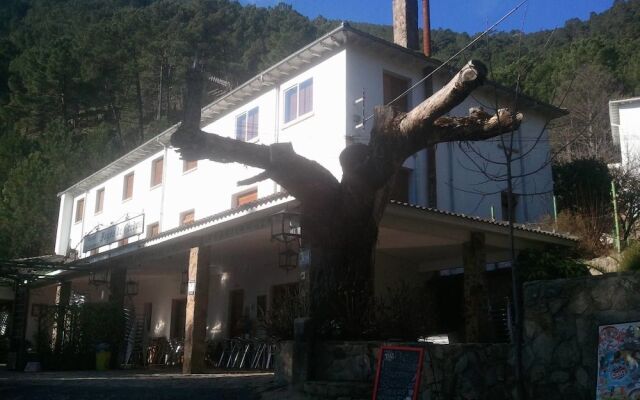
column 340, row 219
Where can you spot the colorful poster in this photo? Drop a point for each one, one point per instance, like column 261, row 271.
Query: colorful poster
column 619, row 361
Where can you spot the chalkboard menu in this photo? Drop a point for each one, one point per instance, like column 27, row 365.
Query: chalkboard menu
column 398, row 373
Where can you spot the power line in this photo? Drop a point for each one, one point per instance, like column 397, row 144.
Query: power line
column 471, row 43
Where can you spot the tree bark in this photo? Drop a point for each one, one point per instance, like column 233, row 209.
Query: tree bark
column 340, row 220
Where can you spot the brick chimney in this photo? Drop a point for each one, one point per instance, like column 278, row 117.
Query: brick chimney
column 405, row 23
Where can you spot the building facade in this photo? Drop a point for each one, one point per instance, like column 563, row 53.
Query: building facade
column 142, row 213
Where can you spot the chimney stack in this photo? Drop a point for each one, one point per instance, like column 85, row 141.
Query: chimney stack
column 426, row 29
column 405, row 23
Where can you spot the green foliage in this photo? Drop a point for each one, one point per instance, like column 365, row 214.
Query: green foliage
column 83, row 82
column 550, row 263
column 631, row 258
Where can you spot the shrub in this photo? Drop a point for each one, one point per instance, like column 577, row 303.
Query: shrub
column 631, row 258
column 553, row 262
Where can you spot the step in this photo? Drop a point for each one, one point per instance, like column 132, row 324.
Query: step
column 338, row 390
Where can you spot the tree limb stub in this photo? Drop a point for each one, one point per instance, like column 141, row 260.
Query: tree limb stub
column 471, row 76
column 479, row 125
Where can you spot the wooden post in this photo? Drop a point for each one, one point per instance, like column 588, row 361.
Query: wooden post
column 63, row 295
column 195, row 327
column 476, row 300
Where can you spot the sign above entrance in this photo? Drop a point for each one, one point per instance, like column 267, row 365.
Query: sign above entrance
column 130, row 227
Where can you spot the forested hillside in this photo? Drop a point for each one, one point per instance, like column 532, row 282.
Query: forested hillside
column 84, row 81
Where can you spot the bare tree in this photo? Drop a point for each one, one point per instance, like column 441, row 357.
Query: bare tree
column 585, row 133
column 627, row 180
column 340, row 219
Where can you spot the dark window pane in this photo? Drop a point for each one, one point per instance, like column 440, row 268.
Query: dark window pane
column 392, row 87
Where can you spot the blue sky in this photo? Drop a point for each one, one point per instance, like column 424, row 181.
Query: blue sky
column 459, row 15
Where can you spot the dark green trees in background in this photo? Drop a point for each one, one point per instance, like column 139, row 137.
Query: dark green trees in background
column 84, row 81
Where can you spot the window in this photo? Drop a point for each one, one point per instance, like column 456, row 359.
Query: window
column 298, row 100
column 153, row 230
column 123, row 242
column 504, row 200
column 400, row 190
column 156, row 171
column 79, row 210
column 392, row 87
column 127, row 186
column 187, row 217
column 244, row 198
column 247, row 125
column 189, row 165
column 99, row 200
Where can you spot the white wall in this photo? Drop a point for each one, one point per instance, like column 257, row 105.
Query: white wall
column 464, row 188
column 629, row 132
column 209, row 188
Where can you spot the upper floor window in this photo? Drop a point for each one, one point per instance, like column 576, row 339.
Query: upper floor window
column 153, row 230
column 298, row 100
column 243, row 198
column 247, row 125
column 189, row 165
column 127, row 186
column 156, row 171
column 187, row 217
column 99, row 200
column 79, row 210
column 392, row 87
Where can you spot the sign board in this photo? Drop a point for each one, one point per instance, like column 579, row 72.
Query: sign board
column 191, row 288
column 398, row 373
column 618, row 361
column 130, row 227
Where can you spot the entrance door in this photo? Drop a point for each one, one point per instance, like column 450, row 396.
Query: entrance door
column 178, row 318
column 236, row 306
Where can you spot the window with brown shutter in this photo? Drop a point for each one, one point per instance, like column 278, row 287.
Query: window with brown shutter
column 244, row 198
column 127, row 186
column 79, row 210
column 189, row 165
column 392, row 87
column 99, row 200
column 156, row 171
column 153, row 230
column 400, row 190
column 187, row 217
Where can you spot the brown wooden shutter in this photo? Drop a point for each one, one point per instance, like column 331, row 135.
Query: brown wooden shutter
column 156, row 171
column 392, row 87
column 99, row 200
column 79, row 210
column 127, row 190
column 245, row 198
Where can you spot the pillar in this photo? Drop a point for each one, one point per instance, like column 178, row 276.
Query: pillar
column 195, row 327
column 117, row 291
column 63, row 296
column 476, row 299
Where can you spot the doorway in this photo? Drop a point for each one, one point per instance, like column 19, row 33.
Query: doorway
column 236, row 308
column 178, row 318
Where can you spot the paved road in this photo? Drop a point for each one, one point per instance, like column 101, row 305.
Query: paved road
column 141, row 385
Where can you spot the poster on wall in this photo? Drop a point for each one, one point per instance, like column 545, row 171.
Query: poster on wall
column 619, row 361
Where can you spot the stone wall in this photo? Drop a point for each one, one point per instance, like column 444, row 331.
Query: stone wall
column 456, row 371
column 561, row 330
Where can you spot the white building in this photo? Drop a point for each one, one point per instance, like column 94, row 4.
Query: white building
column 145, row 210
column 625, row 129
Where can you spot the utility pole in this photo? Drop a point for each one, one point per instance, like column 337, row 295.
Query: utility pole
column 614, row 199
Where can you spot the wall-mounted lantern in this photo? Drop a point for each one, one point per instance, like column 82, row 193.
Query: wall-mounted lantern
column 285, row 226
column 131, row 288
column 287, row 257
column 99, row 278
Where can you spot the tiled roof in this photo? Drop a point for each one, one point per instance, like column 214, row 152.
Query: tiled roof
column 520, row 227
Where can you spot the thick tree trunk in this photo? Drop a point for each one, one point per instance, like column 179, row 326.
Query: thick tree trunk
column 340, row 219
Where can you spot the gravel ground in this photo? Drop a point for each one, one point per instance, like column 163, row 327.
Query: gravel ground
column 111, row 385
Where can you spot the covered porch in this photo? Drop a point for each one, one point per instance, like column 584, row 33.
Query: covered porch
column 189, row 290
